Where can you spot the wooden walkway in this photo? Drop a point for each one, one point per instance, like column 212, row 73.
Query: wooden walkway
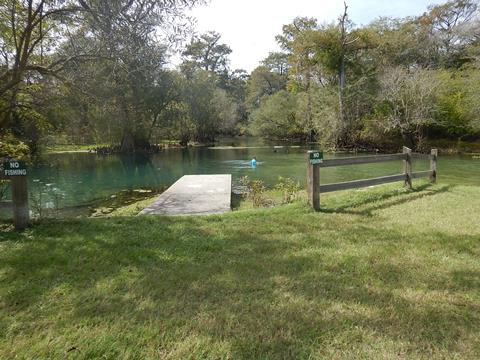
column 194, row 195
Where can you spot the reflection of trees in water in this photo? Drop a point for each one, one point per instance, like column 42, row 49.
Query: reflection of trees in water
column 129, row 169
column 83, row 177
column 138, row 169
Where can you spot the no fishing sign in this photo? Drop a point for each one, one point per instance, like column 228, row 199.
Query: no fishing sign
column 14, row 168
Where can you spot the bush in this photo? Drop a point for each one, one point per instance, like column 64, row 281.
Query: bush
column 255, row 190
column 289, row 188
column 12, row 148
column 276, row 118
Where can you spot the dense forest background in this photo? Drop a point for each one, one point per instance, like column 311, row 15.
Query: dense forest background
column 99, row 72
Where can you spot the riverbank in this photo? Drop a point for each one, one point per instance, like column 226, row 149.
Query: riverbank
column 100, row 148
column 445, row 146
column 455, row 147
column 379, row 273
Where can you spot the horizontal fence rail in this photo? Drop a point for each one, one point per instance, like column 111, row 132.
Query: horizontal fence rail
column 361, row 183
column 361, row 160
column 314, row 188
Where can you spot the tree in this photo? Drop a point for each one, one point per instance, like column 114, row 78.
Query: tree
column 28, row 29
column 199, row 94
column 407, row 103
column 263, row 82
column 276, row 117
column 29, row 32
column 127, row 32
column 43, row 43
column 331, row 56
column 403, row 42
column 206, row 53
column 447, row 21
column 277, row 62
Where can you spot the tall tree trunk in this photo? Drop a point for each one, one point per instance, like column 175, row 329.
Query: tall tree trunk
column 342, row 78
column 127, row 144
column 309, row 106
column 341, row 95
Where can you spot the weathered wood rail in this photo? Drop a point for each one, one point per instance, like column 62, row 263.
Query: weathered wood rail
column 314, row 188
column 19, row 187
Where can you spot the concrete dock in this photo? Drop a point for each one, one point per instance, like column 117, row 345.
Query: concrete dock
column 194, row 195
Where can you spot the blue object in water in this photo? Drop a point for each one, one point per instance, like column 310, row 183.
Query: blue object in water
column 254, row 163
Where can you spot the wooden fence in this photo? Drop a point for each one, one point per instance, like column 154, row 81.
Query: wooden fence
column 314, row 187
column 15, row 172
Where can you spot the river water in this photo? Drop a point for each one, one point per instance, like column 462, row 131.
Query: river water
column 77, row 179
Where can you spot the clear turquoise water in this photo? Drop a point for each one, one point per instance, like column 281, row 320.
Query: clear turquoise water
column 77, row 181
column 80, row 178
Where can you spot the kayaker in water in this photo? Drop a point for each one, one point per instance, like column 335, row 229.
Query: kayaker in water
column 254, row 162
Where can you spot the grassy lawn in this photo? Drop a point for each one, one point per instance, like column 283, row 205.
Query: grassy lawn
column 380, row 273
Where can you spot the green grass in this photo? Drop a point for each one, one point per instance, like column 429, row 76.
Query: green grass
column 133, row 209
column 66, row 148
column 380, row 273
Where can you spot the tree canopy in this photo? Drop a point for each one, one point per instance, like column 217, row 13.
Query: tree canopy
column 97, row 71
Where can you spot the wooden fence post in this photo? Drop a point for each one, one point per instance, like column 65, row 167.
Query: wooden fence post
column 313, row 183
column 433, row 165
column 21, row 216
column 408, row 166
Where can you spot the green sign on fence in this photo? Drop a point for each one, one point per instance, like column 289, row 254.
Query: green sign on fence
column 316, row 157
column 14, row 168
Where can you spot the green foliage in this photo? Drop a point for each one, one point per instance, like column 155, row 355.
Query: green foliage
column 89, row 75
column 205, row 100
column 110, row 85
column 263, row 81
column 206, row 53
column 276, row 117
column 277, row 62
column 453, row 114
column 392, row 81
column 316, row 113
column 289, row 188
column 12, row 147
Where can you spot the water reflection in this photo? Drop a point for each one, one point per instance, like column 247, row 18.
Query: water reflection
column 80, row 178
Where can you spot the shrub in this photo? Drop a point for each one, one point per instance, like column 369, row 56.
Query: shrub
column 255, row 190
column 289, row 188
column 11, row 147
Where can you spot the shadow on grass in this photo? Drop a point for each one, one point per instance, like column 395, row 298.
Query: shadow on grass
column 267, row 294
column 378, row 201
